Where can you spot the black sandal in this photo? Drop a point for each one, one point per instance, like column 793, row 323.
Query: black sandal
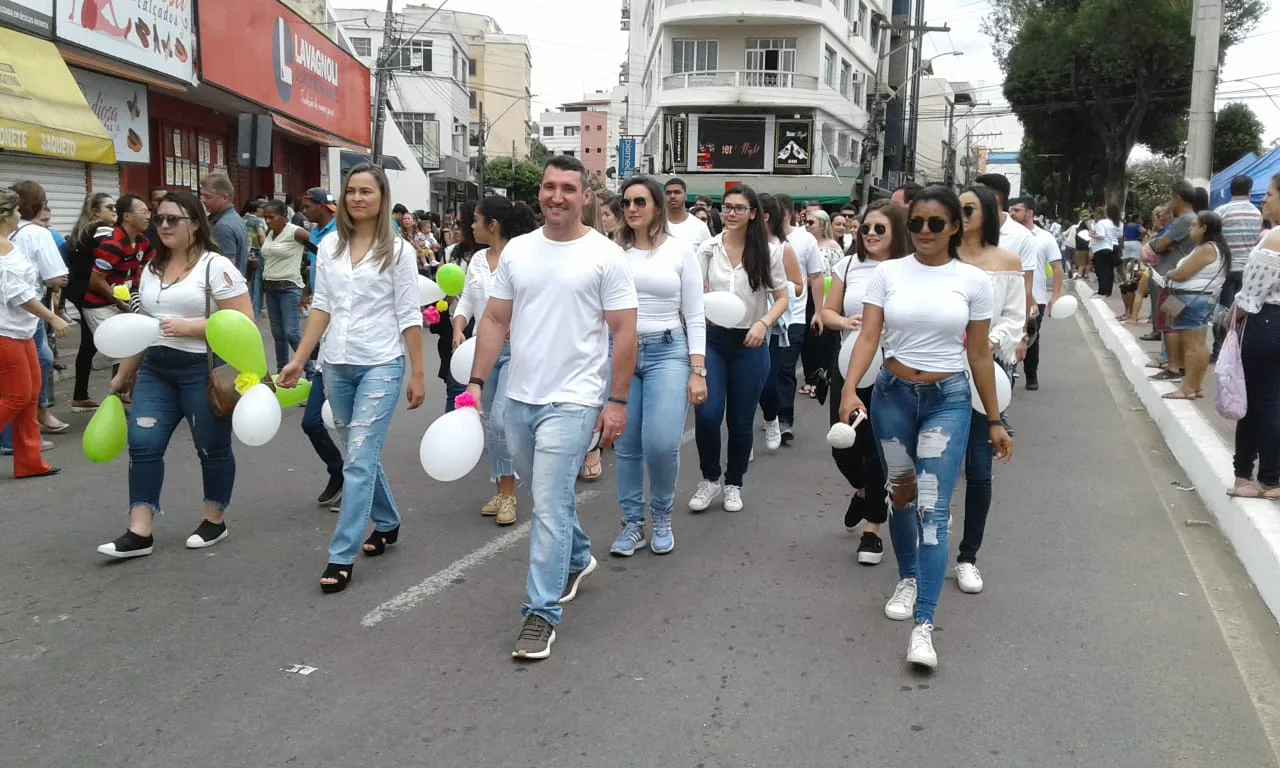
column 380, row 540
column 341, row 575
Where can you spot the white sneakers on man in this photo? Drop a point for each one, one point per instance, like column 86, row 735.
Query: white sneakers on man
column 969, row 578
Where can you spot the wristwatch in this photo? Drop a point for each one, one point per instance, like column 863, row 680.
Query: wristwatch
column 699, row 370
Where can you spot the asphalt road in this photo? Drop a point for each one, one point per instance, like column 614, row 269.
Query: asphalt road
column 1110, row 634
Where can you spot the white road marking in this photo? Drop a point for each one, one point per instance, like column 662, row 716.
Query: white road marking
column 438, row 581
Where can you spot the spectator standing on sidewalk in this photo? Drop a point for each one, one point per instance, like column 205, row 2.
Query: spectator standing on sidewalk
column 1241, row 227
column 1169, row 249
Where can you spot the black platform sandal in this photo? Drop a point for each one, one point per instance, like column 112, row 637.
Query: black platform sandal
column 341, row 575
column 380, row 540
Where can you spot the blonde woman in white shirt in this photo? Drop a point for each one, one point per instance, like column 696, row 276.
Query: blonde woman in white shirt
column 365, row 305
column 497, row 221
column 670, row 369
column 741, row 261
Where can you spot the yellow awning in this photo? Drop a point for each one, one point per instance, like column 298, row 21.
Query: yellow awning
column 42, row 109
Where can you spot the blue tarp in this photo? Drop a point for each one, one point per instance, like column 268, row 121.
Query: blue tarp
column 1220, row 184
column 1261, row 172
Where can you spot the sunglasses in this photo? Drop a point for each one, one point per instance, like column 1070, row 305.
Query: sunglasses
column 936, row 224
column 969, row 210
column 867, row 229
column 810, row 222
column 165, row 220
column 638, row 202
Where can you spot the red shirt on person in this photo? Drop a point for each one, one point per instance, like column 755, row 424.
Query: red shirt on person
column 119, row 259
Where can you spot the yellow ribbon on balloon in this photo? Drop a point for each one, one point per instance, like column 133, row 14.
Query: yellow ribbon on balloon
column 247, row 381
column 121, row 292
column 442, row 305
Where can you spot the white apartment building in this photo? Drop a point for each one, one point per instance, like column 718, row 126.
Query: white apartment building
column 500, row 68
column 772, row 93
column 943, row 131
column 580, row 129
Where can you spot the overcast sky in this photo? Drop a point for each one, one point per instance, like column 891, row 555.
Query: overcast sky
column 578, row 48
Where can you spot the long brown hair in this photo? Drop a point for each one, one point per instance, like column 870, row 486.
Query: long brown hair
column 899, row 241
column 385, row 241
column 201, row 239
column 626, row 237
column 88, row 222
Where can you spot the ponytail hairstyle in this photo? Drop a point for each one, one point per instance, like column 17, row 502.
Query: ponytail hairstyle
column 514, row 219
column 756, row 251
column 771, row 208
column 466, row 245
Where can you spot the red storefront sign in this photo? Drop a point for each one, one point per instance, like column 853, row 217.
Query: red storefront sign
column 263, row 51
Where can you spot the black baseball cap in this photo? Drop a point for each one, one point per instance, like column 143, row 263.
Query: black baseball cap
column 322, row 196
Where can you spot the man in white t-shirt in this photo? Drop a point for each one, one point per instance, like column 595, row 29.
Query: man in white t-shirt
column 1048, row 257
column 691, row 229
column 561, row 292
column 1013, row 236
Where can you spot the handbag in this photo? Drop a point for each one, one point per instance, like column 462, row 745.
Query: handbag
column 220, row 381
column 1230, row 397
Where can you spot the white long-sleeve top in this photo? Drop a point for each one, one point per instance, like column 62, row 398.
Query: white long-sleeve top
column 369, row 308
column 668, row 284
column 19, row 283
column 1009, row 294
column 475, row 293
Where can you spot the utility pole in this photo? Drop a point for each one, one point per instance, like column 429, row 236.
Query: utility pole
column 1206, row 27
column 383, row 81
column 483, row 136
column 899, row 129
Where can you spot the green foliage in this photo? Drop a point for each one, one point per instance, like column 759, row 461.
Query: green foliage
column 1237, row 132
column 1149, row 185
column 520, row 178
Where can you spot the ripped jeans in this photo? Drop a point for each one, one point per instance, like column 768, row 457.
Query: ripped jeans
column 363, row 398
column 923, row 431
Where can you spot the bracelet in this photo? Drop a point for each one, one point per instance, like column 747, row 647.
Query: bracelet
column 618, row 400
column 479, row 382
column 766, row 325
column 995, row 423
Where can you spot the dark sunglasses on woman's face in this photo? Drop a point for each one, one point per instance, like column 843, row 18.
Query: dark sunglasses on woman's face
column 969, row 210
column 638, row 202
column 165, row 220
column 867, row 229
column 936, row 224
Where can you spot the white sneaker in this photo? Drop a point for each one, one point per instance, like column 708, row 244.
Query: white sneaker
column 920, row 647
column 705, row 493
column 969, row 578
column 772, row 435
column 733, row 498
column 902, row 605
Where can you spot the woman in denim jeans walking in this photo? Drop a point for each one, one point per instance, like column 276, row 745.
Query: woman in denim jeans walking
column 925, row 305
column 670, row 366
column 186, row 278
column 283, row 278
column 365, row 305
column 497, row 221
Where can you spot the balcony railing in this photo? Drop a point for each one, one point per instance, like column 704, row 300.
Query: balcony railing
column 740, row 79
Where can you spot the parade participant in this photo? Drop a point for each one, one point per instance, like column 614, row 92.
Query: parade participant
column 318, row 207
column 1047, row 257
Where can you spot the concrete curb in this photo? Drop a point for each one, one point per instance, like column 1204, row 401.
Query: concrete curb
column 1252, row 526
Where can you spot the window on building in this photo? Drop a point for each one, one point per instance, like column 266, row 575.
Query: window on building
column 412, row 56
column 829, row 66
column 570, row 152
column 862, row 20
column 846, row 77
column 694, row 56
column 857, row 95
column 471, row 97
column 848, row 10
column 548, row 130
column 471, row 67
column 571, row 130
column 842, row 146
column 421, row 131
column 362, row 45
column 770, row 62
column 828, row 138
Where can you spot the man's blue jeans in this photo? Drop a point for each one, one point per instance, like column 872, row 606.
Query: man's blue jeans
column 548, row 443
column 656, row 409
column 923, row 431
column 286, row 319
column 45, row 353
column 315, row 430
column 735, row 378
column 363, row 399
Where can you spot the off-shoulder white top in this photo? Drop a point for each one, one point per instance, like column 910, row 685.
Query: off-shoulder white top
column 1261, row 283
column 1008, row 293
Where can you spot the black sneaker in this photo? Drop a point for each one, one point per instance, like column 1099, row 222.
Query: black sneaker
column 1007, row 426
column 854, row 514
column 128, row 545
column 207, row 534
column 332, row 493
column 821, row 386
column 571, row 586
column 870, row 549
column 536, row 637
column 788, row 434
column 1153, row 336
column 1033, row 383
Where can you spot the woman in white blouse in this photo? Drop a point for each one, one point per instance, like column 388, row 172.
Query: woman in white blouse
column 1258, row 307
column 981, row 248
column 283, row 278
column 818, row 224
column 497, row 221
column 1195, row 282
column 741, row 261
column 365, row 306
column 670, row 367
column 184, row 282
column 883, row 237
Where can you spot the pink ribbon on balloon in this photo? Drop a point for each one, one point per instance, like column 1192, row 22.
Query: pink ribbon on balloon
column 431, row 315
column 465, row 400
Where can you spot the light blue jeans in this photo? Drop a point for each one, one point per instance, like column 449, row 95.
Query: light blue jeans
column 656, row 409
column 923, row 431
column 493, row 399
column 363, row 398
column 548, row 443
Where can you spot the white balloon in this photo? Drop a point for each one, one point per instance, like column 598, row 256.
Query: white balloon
column 1004, row 390
column 326, row 415
column 1064, row 307
column 452, row 445
column 846, row 354
column 723, row 308
column 256, row 418
column 428, row 291
column 873, row 370
column 460, row 363
column 126, row 334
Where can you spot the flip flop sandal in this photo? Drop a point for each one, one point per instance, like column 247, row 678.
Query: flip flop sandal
column 1245, row 491
column 1178, row 395
column 1166, row 375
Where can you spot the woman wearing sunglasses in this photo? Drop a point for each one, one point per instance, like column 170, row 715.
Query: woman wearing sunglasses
column 883, row 236
column 670, row 366
column 740, row 260
column 980, row 247
column 920, row 310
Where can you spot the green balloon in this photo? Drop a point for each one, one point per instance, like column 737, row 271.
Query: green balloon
column 826, row 286
column 451, row 279
column 107, row 433
column 233, row 337
column 296, row 396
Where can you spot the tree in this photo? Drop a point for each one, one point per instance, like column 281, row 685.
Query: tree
column 1149, row 185
column 1237, row 132
column 521, row 178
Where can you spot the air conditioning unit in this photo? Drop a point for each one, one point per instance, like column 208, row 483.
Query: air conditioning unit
column 459, row 129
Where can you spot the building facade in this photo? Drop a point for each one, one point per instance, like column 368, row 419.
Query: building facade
column 943, row 130
column 772, row 93
column 579, row 131
column 501, row 102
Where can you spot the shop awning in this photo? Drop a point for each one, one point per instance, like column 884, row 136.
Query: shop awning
column 803, row 189
column 42, row 109
column 307, row 133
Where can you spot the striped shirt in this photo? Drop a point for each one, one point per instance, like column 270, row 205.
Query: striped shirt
column 1241, row 226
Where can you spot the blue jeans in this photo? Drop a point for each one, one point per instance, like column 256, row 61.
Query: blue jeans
column 547, row 444
column 255, row 283
column 656, row 408
column 923, row 431
column 978, row 462
column 735, row 378
column 778, row 399
column 363, row 398
column 493, row 399
column 452, row 387
column 170, row 388
column 315, row 430
column 286, row 319
column 45, row 353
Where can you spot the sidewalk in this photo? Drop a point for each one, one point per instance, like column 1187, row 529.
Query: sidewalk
column 1200, row 440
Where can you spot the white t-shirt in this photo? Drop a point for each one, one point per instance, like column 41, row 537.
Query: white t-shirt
column 927, row 310
column 1017, row 239
column 668, row 284
column 811, row 263
column 1046, row 249
column 692, row 230
column 186, row 298
column 1108, row 236
column 855, row 275
column 37, row 244
column 475, row 293
column 19, row 283
column 720, row 275
column 559, row 293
